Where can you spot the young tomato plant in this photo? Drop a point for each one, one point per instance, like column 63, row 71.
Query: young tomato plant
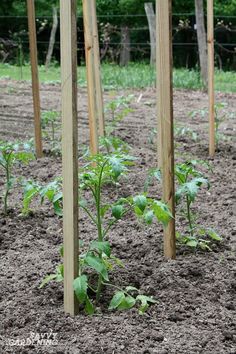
column 182, row 132
column 110, row 144
column 52, row 192
column 190, row 180
column 50, row 127
column 118, row 109
column 220, row 117
column 10, row 155
column 99, row 171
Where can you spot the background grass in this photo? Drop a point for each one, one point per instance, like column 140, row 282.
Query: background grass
column 136, row 75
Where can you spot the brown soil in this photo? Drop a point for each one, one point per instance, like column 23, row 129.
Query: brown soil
column 196, row 305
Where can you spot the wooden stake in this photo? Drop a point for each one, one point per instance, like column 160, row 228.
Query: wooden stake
column 158, row 50
column 97, row 71
column 91, row 87
column 210, row 41
column 69, row 150
column 165, row 115
column 35, row 77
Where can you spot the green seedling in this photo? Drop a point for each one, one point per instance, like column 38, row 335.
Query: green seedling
column 111, row 144
column 220, row 117
column 118, row 109
column 128, row 298
column 50, row 128
column 183, row 132
column 52, row 192
column 190, row 180
column 152, row 136
column 12, row 154
column 98, row 172
column 179, row 131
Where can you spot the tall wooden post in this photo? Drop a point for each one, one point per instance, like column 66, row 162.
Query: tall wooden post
column 35, row 77
column 97, row 71
column 69, row 150
column 91, row 86
column 165, row 115
column 210, row 41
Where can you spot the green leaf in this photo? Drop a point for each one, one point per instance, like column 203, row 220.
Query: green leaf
column 145, row 300
column 140, row 201
column 117, row 261
column 104, row 209
column 101, row 246
column 57, row 208
column 97, row 264
column 31, row 189
column 117, row 211
column 127, row 303
column 89, row 308
column 212, row 233
column 192, row 243
column 148, row 217
column 57, row 203
column 80, row 285
column 161, row 212
column 116, row 166
column 116, row 300
column 62, row 251
column 130, row 288
column 204, row 246
column 47, row 279
column 60, row 272
column 191, row 188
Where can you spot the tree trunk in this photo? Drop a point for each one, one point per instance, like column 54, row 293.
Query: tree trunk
column 152, row 30
column 125, row 46
column 202, row 41
column 52, row 38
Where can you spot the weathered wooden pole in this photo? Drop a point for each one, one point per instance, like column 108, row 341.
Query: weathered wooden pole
column 165, row 116
column 148, row 6
column 97, row 71
column 35, row 77
column 69, row 150
column 210, row 42
column 91, row 84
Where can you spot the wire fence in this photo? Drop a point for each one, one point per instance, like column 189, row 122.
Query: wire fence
column 14, row 44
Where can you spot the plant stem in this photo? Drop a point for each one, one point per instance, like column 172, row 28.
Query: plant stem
column 99, row 288
column 7, row 189
column 189, row 216
column 99, row 225
column 53, row 135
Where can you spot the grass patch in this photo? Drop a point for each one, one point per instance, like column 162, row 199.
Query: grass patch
column 135, row 75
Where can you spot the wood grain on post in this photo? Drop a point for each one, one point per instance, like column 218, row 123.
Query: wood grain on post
column 159, row 35
column 210, row 42
column 69, row 150
column 91, row 86
column 165, row 116
column 35, row 77
column 97, row 71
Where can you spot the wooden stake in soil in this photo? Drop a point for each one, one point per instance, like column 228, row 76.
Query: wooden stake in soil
column 35, row 77
column 97, row 71
column 91, row 81
column 69, row 150
column 165, row 115
column 210, row 41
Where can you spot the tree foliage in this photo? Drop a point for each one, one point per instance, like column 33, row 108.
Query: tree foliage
column 113, row 7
